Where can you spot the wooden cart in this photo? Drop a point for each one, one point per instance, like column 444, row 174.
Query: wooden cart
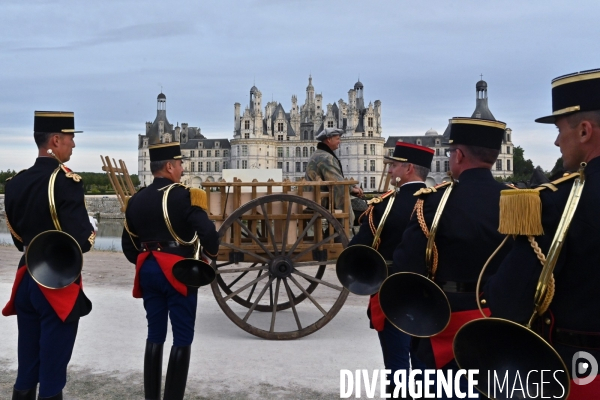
column 279, row 244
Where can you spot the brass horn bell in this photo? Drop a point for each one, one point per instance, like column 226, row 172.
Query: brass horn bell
column 54, row 259
column 194, row 272
column 361, row 269
column 499, row 347
column 414, row 304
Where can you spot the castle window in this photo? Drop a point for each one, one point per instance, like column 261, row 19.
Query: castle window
column 192, row 153
column 373, row 166
column 217, row 144
column 330, row 124
column 365, row 149
column 305, row 137
column 246, row 135
column 200, row 152
column 304, row 164
column 246, row 124
column 238, row 164
column 312, row 150
column 365, row 182
column 244, row 150
column 200, row 145
column 370, row 122
column 280, row 127
column 508, row 165
column 370, row 133
column 216, row 166
column 280, row 152
column 437, row 166
column 372, row 182
column 305, row 152
column 287, row 167
column 225, row 165
column 298, row 167
column 207, row 166
column 225, row 153
column 446, row 166
column 507, row 149
column 192, row 167
column 298, row 153
column 208, row 153
column 498, row 165
column 244, row 164
column 217, row 153
column 365, row 168
column 280, row 137
column 419, row 142
column 200, row 166
column 312, row 135
column 372, row 149
column 287, row 151
column 437, row 152
column 279, row 164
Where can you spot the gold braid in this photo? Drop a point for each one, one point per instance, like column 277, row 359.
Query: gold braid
column 551, row 284
column 425, row 229
column 373, row 228
column 12, row 231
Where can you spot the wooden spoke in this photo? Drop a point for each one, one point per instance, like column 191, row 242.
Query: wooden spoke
column 255, row 238
column 287, row 228
column 314, row 246
column 291, row 298
column 313, row 263
column 322, row 282
column 308, row 295
column 236, row 280
column 301, row 236
column 232, row 270
column 246, row 286
column 274, row 313
column 253, row 287
column 251, row 254
column 269, row 227
column 260, row 295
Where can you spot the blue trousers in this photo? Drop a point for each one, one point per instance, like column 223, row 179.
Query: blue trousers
column 161, row 302
column 395, row 346
column 45, row 342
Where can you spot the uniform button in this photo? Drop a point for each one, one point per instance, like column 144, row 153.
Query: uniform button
column 158, row 249
column 483, row 301
column 548, row 321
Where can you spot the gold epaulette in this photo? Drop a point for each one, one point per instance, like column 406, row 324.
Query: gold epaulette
column 199, row 198
column 521, row 209
column 10, row 177
column 70, row 174
column 432, row 189
column 377, row 200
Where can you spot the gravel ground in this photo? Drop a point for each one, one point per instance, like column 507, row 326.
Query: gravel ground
column 227, row 363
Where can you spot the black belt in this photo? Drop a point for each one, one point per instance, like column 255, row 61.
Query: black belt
column 458, row 287
column 588, row 340
column 149, row 246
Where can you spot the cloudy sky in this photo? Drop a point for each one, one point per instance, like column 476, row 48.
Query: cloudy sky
column 107, row 61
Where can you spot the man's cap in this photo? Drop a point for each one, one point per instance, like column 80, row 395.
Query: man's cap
column 476, row 132
column 579, row 91
column 329, row 132
column 412, row 153
column 165, row 151
column 54, row 122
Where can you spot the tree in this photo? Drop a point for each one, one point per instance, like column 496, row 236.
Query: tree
column 523, row 169
column 558, row 170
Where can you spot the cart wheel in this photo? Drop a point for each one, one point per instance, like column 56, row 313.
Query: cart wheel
column 267, row 258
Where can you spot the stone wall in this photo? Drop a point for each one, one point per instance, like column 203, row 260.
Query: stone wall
column 107, row 207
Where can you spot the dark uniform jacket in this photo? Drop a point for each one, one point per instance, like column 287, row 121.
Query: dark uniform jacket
column 576, row 303
column 28, row 212
column 144, row 217
column 467, row 234
column 396, row 222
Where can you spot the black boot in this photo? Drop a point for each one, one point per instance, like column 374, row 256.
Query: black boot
column 152, row 370
column 179, row 362
column 57, row 396
column 28, row 394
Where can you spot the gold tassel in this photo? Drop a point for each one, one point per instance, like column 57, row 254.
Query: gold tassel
column 198, row 197
column 520, row 212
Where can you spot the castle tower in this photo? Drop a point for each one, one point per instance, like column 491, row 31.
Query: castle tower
column 481, row 106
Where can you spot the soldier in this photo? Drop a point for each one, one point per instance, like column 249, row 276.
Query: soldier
column 154, row 240
column 47, row 318
column 571, row 324
column 408, row 170
column 325, row 165
column 467, row 232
